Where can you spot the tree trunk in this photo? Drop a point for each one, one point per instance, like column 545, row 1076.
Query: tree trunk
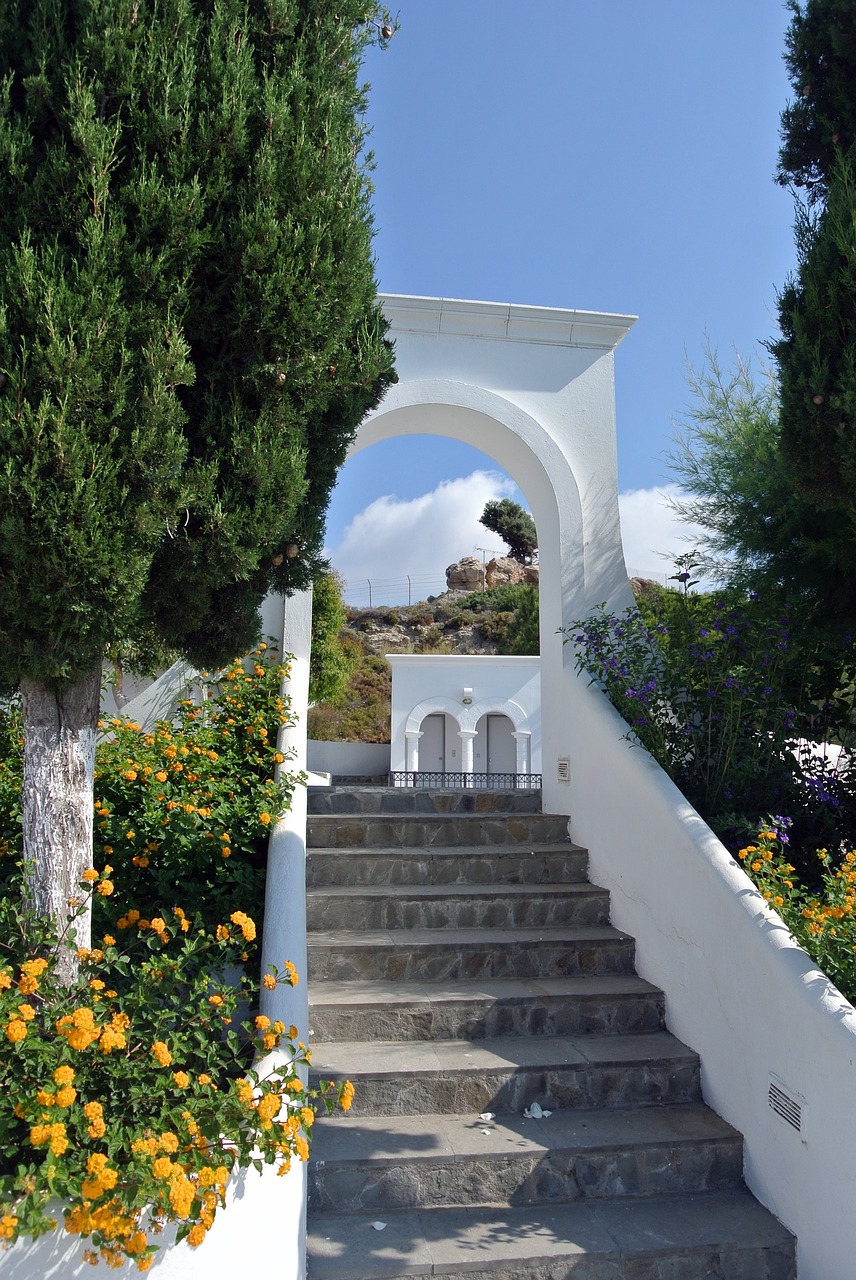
column 57, row 803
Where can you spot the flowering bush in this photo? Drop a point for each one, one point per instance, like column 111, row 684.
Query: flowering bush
column 822, row 921
column 130, row 1097
column 191, row 801
column 187, row 803
column 706, row 691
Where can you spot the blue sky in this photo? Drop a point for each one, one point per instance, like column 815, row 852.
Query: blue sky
column 607, row 156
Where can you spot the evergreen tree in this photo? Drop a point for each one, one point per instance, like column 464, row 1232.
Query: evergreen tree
column 820, row 124
column 189, row 337
column 773, row 467
column 816, row 354
column 331, row 662
column 509, row 521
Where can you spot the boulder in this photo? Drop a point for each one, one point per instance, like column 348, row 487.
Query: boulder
column 466, row 575
column 503, row 571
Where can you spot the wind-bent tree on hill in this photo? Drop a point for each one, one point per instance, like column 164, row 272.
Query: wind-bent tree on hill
column 189, row 337
column 511, row 522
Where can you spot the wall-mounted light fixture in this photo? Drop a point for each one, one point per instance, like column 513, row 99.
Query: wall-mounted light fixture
column 467, row 698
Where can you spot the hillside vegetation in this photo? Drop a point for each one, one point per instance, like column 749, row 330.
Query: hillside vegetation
column 500, row 620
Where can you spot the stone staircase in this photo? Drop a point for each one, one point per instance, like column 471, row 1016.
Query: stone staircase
column 461, row 964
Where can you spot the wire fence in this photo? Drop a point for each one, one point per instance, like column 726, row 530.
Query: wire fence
column 381, row 592
column 376, row 592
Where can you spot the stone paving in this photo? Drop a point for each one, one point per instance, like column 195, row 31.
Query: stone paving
column 461, row 969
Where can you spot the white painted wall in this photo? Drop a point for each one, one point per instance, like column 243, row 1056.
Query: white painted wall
column 738, row 989
column 360, row 759
column 423, row 684
column 264, row 1218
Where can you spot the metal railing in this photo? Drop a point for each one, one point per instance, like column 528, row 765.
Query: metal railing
column 466, row 781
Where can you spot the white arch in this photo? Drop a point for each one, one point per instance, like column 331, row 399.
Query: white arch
column 533, row 388
column 497, row 706
column 433, row 707
column 519, row 444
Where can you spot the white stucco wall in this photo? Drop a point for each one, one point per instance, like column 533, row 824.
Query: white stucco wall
column 738, row 989
column 426, row 684
column 360, row 759
column 264, row 1217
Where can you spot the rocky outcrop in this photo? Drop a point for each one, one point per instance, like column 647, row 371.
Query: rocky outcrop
column 465, row 575
column 503, row 571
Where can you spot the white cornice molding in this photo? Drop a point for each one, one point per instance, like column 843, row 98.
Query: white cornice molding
column 505, row 321
column 462, row 659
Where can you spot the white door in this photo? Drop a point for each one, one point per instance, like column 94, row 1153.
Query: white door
column 432, row 745
column 501, row 746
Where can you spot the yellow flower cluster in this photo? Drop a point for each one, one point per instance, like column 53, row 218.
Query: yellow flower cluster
column 161, row 1053
column 824, row 923
column 94, row 1112
column 52, row 1135
column 245, row 924
column 147, row 784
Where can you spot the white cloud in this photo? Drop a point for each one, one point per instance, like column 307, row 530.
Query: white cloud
column 392, row 538
column 651, row 532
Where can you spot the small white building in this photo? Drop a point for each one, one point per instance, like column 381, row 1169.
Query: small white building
column 474, row 719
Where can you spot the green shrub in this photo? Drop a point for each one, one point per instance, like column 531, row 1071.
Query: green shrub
column 505, row 598
column 496, row 627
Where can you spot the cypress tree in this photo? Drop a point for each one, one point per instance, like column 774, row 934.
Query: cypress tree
column 189, row 337
column 816, row 354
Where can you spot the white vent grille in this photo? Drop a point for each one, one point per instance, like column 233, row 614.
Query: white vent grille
column 785, row 1104
column 563, row 772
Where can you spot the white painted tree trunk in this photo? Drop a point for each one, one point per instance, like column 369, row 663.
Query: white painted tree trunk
column 57, row 803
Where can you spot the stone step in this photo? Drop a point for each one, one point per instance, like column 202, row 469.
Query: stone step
column 508, row 1074
column 455, row 906
column 435, row 955
column 530, row 863
column 422, row 830
column 607, row 1005
column 344, row 800
column 722, row 1235
column 404, row 1162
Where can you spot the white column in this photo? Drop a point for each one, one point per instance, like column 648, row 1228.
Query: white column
column 411, row 750
column 284, row 933
column 467, row 736
column 284, row 936
column 522, row 740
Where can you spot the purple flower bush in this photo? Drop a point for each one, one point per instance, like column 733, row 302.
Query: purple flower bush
column 711, row 686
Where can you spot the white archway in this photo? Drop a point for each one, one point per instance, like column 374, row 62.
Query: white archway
column 533, row 388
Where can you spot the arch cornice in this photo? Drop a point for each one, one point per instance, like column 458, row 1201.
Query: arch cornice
column 433, row 707
column 467, row 718
column 499, row 706
column 418, row 399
